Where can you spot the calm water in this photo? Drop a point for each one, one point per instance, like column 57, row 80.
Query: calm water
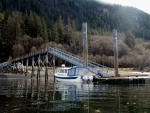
column 32, row 96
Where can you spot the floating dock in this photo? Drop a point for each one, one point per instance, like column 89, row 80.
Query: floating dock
column 138, row 79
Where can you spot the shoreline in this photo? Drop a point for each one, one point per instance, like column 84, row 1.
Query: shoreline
column 42, row 74
column 133, row 73
column 19, row 75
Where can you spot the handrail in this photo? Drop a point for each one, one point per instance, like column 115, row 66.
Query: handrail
column 72, row 58
column 93, row 66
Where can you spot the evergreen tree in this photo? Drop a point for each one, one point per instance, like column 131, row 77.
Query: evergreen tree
column 1, row 20
column 19, row 25
column 68, row 32
column 9, row 32
column 1, row 7
column 55, row 34
column 1, row 17
column 50, row 37
column 38, row 25
column 61, row 30
column 44, row 30
column 1, row 40
column 30, row 25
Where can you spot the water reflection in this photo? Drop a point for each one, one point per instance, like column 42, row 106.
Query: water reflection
column 31, row 95
column 73, row 91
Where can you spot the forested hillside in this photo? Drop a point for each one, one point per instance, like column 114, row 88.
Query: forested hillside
column 96, row 14
column 25, row 25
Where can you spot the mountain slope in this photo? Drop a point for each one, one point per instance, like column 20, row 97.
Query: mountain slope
column 97, row 15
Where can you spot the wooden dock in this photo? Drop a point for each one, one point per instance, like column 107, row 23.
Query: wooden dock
column 133, row 79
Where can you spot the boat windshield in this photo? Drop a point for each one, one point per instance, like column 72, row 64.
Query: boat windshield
column 77, row 71
column 82, row 71
column 63, row 71
column 71, row 72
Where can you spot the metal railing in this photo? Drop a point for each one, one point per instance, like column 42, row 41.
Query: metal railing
column 77, row 60
column 69, row 57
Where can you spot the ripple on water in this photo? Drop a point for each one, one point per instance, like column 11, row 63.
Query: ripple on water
column 19, row 95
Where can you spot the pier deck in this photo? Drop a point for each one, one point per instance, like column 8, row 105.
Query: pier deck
column 126, row 78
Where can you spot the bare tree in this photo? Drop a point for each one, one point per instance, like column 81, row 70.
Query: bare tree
column 17, row 50
column 33, row 49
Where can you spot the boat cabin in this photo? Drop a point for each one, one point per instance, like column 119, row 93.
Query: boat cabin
column 77, row 71
column 64, row 70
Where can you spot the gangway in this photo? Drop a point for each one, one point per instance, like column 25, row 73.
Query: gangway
column 94, row 67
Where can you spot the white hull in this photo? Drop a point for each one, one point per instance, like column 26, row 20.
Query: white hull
column 78, row 79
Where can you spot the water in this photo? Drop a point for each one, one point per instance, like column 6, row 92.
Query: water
column 32, row 96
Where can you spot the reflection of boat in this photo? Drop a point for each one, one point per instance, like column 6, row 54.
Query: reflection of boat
column 73, row 91
column 73, row 74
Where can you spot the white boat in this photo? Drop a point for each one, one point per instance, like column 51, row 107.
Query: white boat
column 73, row 74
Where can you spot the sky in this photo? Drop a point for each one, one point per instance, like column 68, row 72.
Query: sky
column 143, row 5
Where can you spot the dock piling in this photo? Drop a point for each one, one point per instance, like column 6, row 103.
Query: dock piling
column 22, row 67
column 115, row 52
column 27, row 61
column 46, row 67
column 85, row 45
column 38, row 70
column 32, row 73
column 14, row 66
column 53, row 65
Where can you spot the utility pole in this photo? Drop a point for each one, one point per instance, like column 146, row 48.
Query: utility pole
column 115, row 52
column 85, row 44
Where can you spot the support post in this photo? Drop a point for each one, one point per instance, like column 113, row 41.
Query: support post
column 115, row 52
column 14, row 67
column 38, row 70
column 32, row 74
column 17, row 67
column 22, row 67
column 46, row 67
column 85, row 45
column 27, row 61
column 53, row 64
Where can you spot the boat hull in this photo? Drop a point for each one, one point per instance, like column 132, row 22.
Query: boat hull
column 68, row 79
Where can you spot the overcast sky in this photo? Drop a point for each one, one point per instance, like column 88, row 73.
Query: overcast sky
column 140, row 4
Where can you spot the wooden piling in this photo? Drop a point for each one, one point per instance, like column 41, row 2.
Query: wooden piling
column 115, row 53
column 22, row 67
column 17, row 67
column 54, row 67
column 53, row 64
column 27, row 61
column 32, row 95
column 32, row 73
column 85, row 44
column 45, row 93
column 38, row 70
column 14, row 68
column 46, row 67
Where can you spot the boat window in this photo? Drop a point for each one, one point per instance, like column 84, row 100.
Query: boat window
column 82, row 71
column 71, row 72
column 63, row 71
